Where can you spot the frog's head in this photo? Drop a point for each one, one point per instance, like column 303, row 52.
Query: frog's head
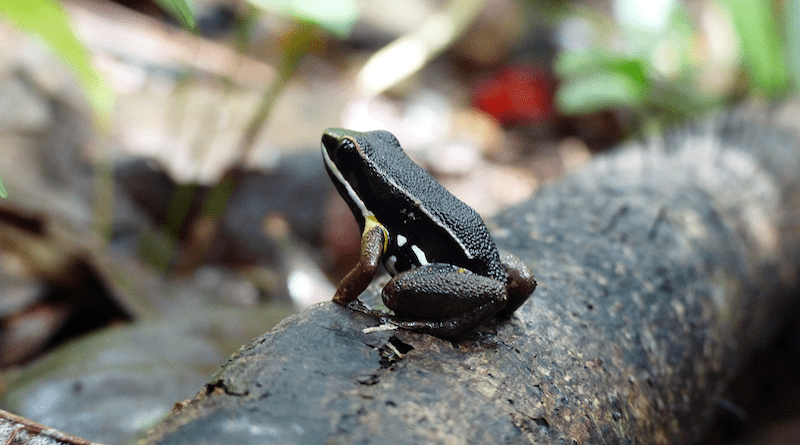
column 368, row 170
column 347, row 163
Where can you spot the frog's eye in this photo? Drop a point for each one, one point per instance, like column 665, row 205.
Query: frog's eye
column 347, row 146
column 349, row 155
column 337, row 141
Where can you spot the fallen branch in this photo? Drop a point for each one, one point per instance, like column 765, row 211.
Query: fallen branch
column 661, row 268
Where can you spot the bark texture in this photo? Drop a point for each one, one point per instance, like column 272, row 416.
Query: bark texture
column 660, row 266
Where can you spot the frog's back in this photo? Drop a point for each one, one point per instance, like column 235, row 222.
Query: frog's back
column 442, row 226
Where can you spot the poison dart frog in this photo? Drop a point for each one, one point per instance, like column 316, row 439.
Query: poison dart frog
column 447, row 274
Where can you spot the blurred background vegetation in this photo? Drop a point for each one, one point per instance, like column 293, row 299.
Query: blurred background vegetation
column 160, row 162
column 663, row 60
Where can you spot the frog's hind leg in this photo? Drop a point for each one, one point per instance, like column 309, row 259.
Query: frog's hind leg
column 448, row 329
column 441, row 291
column 443, row 300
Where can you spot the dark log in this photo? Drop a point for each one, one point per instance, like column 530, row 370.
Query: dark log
column 661, row 268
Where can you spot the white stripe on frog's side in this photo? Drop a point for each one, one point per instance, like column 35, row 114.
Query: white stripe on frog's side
column 401, row 240
column 423, row 260
column 350, row 192
column 366, row 212
column 421, row 207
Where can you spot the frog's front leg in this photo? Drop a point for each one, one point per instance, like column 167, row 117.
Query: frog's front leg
column 373, row 244
column 442, row 299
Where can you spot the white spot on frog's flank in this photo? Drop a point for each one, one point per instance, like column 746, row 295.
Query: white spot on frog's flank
column 401, row 240
column 423, row 260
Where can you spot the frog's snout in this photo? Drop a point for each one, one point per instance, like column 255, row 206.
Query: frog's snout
column 329, row 141
column 332, row 137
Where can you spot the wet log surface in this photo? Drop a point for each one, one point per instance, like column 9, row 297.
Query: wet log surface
column 661, row 268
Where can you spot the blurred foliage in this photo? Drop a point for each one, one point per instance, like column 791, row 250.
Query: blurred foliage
column 761, row 44
column 179, row 9
column 791, row 24
column 655, row 68
column 3, row 192
column 47, row 20
column 597, row 80
column 334, row 16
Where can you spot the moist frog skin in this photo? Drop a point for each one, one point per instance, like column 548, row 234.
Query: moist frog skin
column 447, row 274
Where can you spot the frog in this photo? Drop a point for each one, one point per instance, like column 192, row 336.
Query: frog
column 447, row 274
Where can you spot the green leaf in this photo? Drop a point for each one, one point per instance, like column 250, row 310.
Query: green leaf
column 598, row 79
column 335, row 16
column 576, row 63
column 792, row 25
column 180, row 10
column 47, row 20
column 761, row 44
column 3, row 192
column 600, row 90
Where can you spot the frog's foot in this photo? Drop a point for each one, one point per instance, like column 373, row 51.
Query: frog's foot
column 448, row 328
column 383, row 317
column 359, row 306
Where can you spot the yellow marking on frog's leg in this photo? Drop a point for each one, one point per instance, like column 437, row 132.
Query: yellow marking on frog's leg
column 371, row 222
column 374, row 242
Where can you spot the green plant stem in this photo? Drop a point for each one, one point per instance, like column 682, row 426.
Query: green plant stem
column 299, row 41
column 203, row 230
